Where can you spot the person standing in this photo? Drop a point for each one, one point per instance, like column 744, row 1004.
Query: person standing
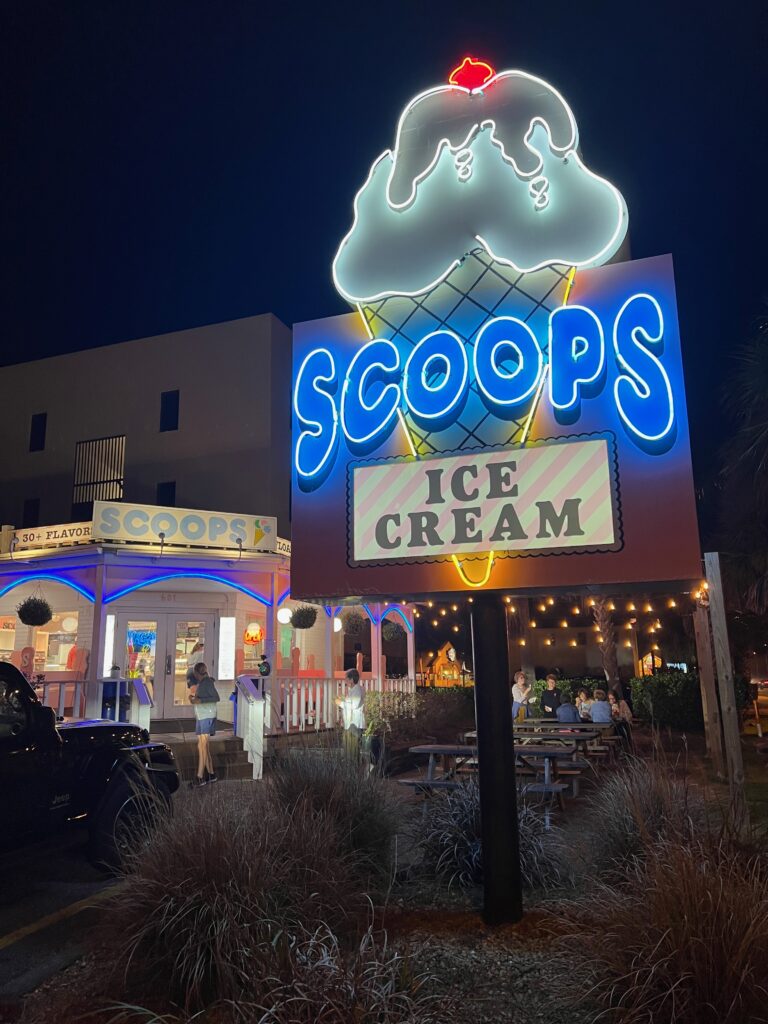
column 521, row 692
column 352, row 706
column 205, row 698
column 550, row 698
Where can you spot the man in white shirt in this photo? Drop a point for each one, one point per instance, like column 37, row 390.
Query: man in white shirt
column 352, row 706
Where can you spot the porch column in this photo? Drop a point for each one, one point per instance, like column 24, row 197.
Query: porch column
column 376, row 645
column 271, row 623
column 328, row 652
column 410, row 644
column 96, row 657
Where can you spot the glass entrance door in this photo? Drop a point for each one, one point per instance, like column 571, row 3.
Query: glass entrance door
column 189, row 641
column 162, row 649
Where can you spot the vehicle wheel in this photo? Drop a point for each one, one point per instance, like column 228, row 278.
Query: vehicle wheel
column 124, row 824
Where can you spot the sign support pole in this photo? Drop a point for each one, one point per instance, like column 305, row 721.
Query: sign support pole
column 728, row 710
column 503, row 901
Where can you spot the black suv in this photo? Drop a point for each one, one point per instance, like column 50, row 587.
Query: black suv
column 105, row 774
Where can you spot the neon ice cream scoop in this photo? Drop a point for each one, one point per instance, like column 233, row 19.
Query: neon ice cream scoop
column 482, row 208
column 490, row 166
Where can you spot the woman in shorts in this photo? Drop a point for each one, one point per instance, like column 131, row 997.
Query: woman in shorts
column 204, row 697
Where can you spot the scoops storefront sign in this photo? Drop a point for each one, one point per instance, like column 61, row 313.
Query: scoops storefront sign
column 149, row 524
column 505, row 407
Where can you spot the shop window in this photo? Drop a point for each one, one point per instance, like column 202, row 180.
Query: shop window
column 37, row 426
column 166, row 493
column 30, row 515
column 169, row 410
column 55, row 643
column 99, row 474
column 7, row 636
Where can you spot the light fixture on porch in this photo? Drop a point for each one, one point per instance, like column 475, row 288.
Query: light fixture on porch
column 337, row 624
column 161, row 535
column 284, row 615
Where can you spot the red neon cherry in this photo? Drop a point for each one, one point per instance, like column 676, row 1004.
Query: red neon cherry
column 471, row 73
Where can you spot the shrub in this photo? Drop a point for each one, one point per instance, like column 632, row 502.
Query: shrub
column 34, row 611
column 452, row 844
column 354, row 624
column 392, row 631
column 569, row 686
column 374, row 986
column 685, row 941
column 304, row 617
column 319, row 982
column 630, row 809
column 669, row 699
column 442, row 713
column 360, row 806
column 217, row 884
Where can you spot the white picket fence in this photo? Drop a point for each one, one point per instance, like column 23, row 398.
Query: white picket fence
column 299, row 705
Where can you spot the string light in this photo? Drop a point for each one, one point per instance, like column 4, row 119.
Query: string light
column 455, row 629
column 576, row 610
column 512, row 609
column 599, row 638
column 443, row 611
column 508, row 600
column 564, row 623
column 672, row 603
column 572, row 643
column 454, row 607
column 470, row 599
column 648, row 607
column 631, row 607
column 521, row 643
column 591, row 602
column 532, row 623
column 627, row 643
column 434, row 622
column 430, row 603
column 611, row 607
column 550, row 601
column 542, row 607
column 547, row 642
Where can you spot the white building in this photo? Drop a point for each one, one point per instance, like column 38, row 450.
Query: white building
column 157, row 433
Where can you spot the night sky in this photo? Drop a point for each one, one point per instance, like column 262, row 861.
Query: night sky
column 170, row 164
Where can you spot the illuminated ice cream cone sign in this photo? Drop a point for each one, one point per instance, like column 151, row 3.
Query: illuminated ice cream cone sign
column 502, row 391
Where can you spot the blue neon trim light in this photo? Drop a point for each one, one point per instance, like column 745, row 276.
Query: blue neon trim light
column 55, row 579
column 188, row 575
column 283, row 596
column 400, row 612
column 371, row 616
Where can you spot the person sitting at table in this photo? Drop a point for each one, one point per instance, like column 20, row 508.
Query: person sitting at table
column 566, row 712
column 550, row 698
column 622, row 717
column 600, row 711
column 521, row 691
column 583, row 704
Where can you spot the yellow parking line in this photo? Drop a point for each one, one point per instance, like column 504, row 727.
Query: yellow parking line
column 58, row 915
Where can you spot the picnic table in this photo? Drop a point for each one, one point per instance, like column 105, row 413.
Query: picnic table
column 557, row 734
column 455, row 755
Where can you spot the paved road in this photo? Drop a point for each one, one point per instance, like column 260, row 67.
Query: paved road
column 45, row 893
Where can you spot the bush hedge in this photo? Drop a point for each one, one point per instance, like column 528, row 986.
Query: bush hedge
column 671, row 698
column 569, row 686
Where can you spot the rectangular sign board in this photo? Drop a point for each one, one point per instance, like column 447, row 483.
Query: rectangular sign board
column 524, row 451
column 182, row 527
column 549, row 497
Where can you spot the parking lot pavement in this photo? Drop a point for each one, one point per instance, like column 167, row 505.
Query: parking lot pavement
column 48, row 895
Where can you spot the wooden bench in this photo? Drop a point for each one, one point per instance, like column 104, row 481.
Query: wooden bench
column 425, row 785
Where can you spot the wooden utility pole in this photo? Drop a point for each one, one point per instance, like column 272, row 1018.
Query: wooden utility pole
column 712, row 727
column 730, row 715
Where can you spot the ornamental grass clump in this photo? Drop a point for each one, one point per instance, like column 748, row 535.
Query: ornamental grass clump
column 451, row 841
column 684, row 940
column 319, row 982
column 361, row 807
column 629, row 810
column 218, row 887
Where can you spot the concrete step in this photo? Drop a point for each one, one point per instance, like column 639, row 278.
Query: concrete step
column 230, row 761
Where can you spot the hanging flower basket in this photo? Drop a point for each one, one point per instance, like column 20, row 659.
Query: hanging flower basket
column 354, row 623
column 304, row 617
column 392, row 631
column 34, row 611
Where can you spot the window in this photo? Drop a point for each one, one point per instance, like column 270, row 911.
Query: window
column 37, row 426
column 31, row 514
column 99, row 474
column 169, row 410
column 166, row 493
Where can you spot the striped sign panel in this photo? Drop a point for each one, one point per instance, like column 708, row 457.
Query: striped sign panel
column 552, row 497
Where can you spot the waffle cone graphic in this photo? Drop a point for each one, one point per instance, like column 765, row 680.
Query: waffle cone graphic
column 478, row 289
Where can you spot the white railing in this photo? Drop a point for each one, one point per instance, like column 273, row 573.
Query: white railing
column 299, row 705
column 66, row 698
